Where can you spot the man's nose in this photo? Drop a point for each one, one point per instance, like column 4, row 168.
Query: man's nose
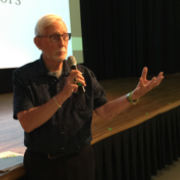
column 61, row 41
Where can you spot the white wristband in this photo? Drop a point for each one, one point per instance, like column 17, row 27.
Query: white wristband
column 56, row 102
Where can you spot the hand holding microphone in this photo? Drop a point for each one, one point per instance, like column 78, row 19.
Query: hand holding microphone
column 70, row 85
column 73, row 64
column 75, row 81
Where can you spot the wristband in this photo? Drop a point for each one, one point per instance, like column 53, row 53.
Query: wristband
column 129, row 98
column 56, row 102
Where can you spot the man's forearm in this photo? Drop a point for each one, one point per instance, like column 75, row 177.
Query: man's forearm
column 37, row 116
column 112, row 108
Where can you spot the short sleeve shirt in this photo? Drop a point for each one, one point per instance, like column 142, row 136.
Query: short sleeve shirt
column 70, row 127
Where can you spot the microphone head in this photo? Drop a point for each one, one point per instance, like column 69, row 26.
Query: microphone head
column 71, row 61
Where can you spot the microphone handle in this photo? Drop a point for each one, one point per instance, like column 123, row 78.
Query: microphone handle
column 80, row 86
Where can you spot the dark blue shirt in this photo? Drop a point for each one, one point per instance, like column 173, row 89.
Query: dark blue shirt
column 70, row 127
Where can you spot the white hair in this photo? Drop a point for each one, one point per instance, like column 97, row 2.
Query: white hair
column 44, row 22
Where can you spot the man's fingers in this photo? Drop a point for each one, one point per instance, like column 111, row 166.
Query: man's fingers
column 160, row 75
column 153, row 81
column 144, row 73
column 76, row 77
column 74, row 87
column 159, row 78
column 158, row 81
column 151, row 84
column 73, row 72
column 141, row 84
column 78, row 80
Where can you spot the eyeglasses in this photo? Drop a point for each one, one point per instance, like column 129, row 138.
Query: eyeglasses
column 56, row 37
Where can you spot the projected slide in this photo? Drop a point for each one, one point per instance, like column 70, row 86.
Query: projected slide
column 18, row 19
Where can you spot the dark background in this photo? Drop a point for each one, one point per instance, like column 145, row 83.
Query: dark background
column 121, row 37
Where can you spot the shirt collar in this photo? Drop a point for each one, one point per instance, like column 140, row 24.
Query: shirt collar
column 44, row 71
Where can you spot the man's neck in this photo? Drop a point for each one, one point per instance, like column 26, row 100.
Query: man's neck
column 53, row 66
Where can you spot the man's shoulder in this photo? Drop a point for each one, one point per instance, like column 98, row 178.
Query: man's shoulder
column 28, row 68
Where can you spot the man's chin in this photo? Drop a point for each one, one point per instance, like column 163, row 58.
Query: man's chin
column 60, row 59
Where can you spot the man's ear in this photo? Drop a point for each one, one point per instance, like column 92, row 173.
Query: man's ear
column 38, row 42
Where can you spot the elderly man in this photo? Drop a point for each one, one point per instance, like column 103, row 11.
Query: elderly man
column 57, row 118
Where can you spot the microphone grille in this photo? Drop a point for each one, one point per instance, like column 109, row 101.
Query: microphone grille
column 71, row 61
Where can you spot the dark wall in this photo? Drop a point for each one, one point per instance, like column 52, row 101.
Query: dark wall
column 6, row 80
column 121, row 37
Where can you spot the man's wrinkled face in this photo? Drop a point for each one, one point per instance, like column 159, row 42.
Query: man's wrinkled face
column 55, row 51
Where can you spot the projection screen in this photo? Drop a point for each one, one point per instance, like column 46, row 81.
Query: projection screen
column 17, row 21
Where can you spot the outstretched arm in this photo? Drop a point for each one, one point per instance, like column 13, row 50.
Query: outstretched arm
column 114, row 107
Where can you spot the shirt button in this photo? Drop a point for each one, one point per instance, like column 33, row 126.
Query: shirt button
column 62, row 148
column 62, row 132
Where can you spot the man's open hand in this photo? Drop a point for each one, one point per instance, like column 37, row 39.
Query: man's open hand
column 144, row 85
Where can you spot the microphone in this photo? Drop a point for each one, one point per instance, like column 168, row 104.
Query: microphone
column 73, row 64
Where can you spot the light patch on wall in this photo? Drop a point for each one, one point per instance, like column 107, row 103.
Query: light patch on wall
column 77, row 44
